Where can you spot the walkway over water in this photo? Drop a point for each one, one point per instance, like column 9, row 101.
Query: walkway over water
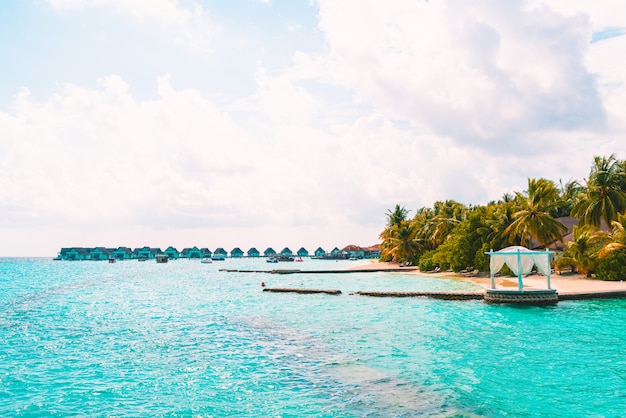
column 300, row 290
column 479, row 295
column 431, row 295
column 337, row 271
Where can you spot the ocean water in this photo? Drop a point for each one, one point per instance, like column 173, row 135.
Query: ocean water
column 185, row 339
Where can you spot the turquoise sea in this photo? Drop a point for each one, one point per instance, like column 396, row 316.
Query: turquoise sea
column 183, row 339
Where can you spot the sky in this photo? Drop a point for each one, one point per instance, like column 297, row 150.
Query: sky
column 290, row 123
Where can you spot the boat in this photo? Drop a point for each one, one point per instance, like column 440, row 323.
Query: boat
column 272, row 260
column 218, row 257
column 162, row 258
column 206, row 260
column 285, row 258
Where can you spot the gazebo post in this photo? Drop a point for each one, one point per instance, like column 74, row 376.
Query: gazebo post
column 493, row 282
column 520, row 284
column 549, row 268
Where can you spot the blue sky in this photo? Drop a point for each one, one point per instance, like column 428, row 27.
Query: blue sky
column 290, row 123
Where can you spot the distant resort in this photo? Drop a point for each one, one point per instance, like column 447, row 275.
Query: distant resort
column 151, row 253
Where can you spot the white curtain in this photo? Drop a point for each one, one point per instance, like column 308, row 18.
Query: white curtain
column 542, row 262
column 528, row 260
column 495, row 264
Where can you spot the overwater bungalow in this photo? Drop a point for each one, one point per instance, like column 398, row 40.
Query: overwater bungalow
column 149, row 253
column 172, row 253
column 75, row 253
column 100, row 253
column 220, row 252
column 191, row 253
column 146, row 253
column 122, row 253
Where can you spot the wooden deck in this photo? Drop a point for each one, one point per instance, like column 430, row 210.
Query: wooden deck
column 432, row 295
column 300, row 290
column 618, row 294
column 479, row 295
column 343, row 271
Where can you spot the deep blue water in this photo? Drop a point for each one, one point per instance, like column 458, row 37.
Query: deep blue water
column 184, row 339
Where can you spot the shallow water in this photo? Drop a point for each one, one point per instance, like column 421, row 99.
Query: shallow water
column 184, row 339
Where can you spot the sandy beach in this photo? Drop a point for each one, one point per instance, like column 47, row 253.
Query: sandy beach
column 566, row 283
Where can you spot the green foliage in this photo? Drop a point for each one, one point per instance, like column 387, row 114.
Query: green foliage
column 612, row 267
column 481, row 260
column 605, row 196
column 582, row 251
column 534, row 219
column 506, row 271
column 456, row 251
column 426, row 262
column 452, row 235
column 564, row 263
column 465, row 243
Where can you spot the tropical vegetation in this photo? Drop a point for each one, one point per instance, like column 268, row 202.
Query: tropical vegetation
column 452, row 235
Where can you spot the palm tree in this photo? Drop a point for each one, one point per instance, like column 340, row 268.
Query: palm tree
column 446, row 216
column 400, row 244
column 507, row 197
column 606, row 196
column 395, row 219
column 533, row 219
column 499, row 217
column 615, row 239
column 569, row 194
column 397, row 216
column 581, row 251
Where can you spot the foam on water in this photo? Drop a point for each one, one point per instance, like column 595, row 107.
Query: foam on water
column 184, row 339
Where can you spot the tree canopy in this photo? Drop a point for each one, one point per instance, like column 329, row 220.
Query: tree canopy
column 452, row 235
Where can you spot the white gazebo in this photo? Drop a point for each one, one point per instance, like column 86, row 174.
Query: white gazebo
column 521, row 261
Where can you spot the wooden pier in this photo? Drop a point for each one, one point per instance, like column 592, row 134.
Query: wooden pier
column 431, row 295
column 459, row 296
column 344, row 271
column 616, row 294
column 300, row 290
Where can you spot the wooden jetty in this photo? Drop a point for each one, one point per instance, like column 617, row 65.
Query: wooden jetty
column 431, row 295
column 298, row 271
column 459, row 296
column 616, row 294
column 300, row 290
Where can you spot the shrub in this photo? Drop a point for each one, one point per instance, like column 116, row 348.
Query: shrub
column 564, row 263
column 612, row 267
column 426, row 262
column 481, row 260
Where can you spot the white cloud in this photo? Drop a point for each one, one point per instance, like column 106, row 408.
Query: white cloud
column 603, row 13
column 190, row 26
column 407, row 102
column 477, row 72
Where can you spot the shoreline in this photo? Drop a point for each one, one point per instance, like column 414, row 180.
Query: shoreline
column 568, row 283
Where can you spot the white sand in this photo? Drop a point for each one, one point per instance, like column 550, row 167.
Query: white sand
column 570, row 283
